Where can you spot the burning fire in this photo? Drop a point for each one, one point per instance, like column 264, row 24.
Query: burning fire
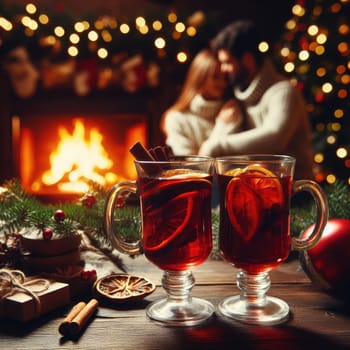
column 78, row 160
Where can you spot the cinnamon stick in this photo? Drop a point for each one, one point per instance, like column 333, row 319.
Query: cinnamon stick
column 64, row 327
column 83, row 316
column 159, row 153
column 141, row 153
column 77, row 318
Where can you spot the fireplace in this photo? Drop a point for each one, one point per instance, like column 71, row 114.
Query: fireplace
column 59, row 150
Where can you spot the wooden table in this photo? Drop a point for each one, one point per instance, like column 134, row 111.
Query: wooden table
column 318, row 321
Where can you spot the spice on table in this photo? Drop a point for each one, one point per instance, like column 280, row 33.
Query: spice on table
column 77, row 318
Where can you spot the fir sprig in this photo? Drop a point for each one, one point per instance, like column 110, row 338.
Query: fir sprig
column 338, row 196
column 304, row 214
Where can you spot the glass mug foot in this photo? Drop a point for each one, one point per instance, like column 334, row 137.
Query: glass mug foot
column 171, row 313
column 179, row 308
column 274, row 311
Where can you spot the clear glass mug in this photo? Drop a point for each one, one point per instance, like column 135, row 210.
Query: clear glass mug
column 255, row 194
column 175, row 199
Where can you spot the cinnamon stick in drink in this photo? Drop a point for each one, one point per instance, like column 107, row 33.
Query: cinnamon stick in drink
column 141, row 153
column 159, row 153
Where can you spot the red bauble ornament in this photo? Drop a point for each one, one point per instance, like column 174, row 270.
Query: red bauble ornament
column 59, row 215
column 328, row 262
column 89, row 200
column 47, row 233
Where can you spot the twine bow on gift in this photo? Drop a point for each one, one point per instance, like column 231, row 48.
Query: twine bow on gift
column 12, row 281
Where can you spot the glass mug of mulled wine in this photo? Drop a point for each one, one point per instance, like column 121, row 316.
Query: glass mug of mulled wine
column 175, row 200
column 254, row 232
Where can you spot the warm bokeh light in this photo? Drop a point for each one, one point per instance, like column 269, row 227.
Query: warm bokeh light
column 44, row 19
column 73, row 51
column 5, row 24
column 298, row 10
column 172, row 17
column 106, row 36
column 263, row 46
column 181, row 57
column 319, row 158
column 321, row 72
column 342, row 152
column 338, row 113
column 140, row 21
column 180, row 27
column 102, row 53
column 327, row 87
column 289, row 67
column 92, row 35
column 79, row 27
column 304, row 55
column 157, row 25
column 191, row 31
column 321, row 39
column 312, row 30
column 159, row 43
column 124, row 28
column 31, row 8
column 59, row 31
column 74, row 38
column 331, row 178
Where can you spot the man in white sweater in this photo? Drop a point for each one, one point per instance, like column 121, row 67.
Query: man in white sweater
column 274, row 113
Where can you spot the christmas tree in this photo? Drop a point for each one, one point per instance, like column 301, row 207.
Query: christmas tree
column 315, row 50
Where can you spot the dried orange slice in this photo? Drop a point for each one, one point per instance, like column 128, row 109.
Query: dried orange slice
column 169, row 221
column 251, row 191
column 123, row 287
column 243, row 208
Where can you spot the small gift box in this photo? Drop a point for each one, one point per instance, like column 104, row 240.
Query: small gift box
column 32, row 298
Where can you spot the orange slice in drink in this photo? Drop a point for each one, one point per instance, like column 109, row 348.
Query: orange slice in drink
column 251, row 191
column 243, row 208
column 172, row 219
column 265, row 184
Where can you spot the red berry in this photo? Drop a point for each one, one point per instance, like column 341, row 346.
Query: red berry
column 47, row 233
column 86, row 274
column 59, row 215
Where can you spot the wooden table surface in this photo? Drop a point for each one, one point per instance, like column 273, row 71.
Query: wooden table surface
column 318, row 321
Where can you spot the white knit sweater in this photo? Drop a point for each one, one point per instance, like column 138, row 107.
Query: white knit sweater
column 187, row 131
column 276, row 122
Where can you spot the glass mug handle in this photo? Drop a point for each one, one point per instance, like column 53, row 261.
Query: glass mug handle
column 113, row 198
column 305, row 243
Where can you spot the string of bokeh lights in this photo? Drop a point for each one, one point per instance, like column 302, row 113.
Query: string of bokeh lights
column 103, row 29
column 336, row 83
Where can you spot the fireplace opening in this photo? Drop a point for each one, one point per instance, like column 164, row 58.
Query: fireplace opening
column 59, row 155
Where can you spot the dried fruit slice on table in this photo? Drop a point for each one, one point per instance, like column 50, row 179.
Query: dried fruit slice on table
column 123, row 287
column 251, row 191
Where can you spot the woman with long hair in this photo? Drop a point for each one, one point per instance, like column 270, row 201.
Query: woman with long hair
column 200, row 111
